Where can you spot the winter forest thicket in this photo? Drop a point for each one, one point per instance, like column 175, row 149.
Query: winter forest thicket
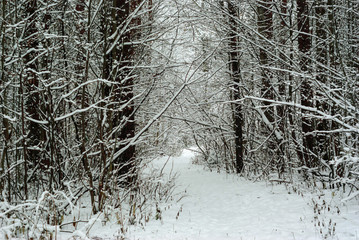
column 93, row 91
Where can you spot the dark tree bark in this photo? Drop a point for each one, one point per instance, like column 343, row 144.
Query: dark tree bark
column 105, row 29
column 31, row 85
column 124, row 54
column 234, row 63
column 307, row 155
column 3, row 102
column 82, row 68
column 265, row 28
column 322, row 79
column 282, row 77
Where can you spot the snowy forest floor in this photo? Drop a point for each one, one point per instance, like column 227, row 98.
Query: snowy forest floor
column 224, row 206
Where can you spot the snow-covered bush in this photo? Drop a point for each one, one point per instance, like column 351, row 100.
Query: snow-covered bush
column 62, row 212
column 346, row 173
column 35, row 219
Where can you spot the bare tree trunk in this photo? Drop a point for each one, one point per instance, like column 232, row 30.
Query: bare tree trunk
column 31, row 85
column 46, row 64
column 283, row 153
column 84, row 57
column 307, row 155
column 282, row 77
column 3, row 102
column 125, row 118
column 104, row 92
column 265, row 28
column 234, row 62
column 322, row 79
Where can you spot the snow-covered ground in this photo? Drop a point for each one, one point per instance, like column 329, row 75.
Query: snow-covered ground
column 222, row 206
column 214, row 206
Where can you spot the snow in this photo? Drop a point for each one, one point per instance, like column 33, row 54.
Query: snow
column 222, row 206
column 210, row 205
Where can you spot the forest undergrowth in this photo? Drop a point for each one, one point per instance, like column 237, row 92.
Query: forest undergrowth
column 65, row 213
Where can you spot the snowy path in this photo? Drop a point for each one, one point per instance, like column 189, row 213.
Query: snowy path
column 220, row 206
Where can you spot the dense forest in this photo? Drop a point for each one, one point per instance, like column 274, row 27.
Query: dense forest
column 92, row 90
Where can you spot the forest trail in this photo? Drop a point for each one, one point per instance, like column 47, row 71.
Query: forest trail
column 222, row 206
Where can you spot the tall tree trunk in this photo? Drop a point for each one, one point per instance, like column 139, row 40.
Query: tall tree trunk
column 48, row 105
column 105, row 92
column 3, row 102
column 82, row 98
column 307, row 155
column 265, row 28
column 31, row 84
column 234, row 62
column 34, row 132
column 124, row 53
column 283, row 151
column 322, row 79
